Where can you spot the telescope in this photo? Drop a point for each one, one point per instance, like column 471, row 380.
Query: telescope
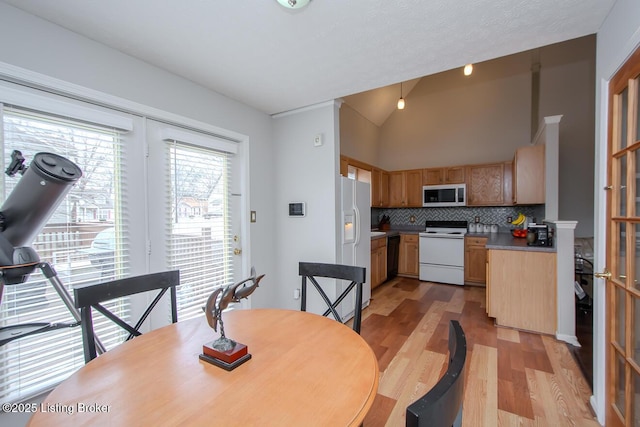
column 41, row 188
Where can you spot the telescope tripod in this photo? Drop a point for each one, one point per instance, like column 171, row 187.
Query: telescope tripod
column 13, row 332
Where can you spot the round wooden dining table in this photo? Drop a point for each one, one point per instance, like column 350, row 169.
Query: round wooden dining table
column 304, row 370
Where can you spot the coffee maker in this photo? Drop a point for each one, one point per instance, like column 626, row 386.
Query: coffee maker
column 541, row 233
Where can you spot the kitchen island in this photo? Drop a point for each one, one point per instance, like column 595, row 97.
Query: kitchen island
column 521, row 283
column 507, row 242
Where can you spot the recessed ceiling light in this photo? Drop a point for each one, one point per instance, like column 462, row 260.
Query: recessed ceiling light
column 468, row 69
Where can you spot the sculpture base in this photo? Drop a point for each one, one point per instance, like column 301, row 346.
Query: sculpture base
column 227, row 360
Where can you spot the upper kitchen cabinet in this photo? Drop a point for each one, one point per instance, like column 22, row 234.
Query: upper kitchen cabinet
column 376, row 177
column 507, row 186
column 529, row 175
column 405, row 188
column 379, row 188
column 344, row 166
column 437, row 176
column 485, row 185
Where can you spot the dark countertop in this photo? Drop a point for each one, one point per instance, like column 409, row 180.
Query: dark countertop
column 386, row 234
column 504, row 241
column 395, row 231
column 507, row 242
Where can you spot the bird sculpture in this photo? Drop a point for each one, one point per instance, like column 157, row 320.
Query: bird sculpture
column 220, row 299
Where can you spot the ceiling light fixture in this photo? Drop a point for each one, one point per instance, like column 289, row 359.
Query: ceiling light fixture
column 294, row 4
column 468, row 69
column 401, row 100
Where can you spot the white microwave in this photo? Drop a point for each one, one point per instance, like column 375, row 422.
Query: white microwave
column 444, row 195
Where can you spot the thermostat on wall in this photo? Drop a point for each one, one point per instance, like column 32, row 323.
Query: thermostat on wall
column 297, row 209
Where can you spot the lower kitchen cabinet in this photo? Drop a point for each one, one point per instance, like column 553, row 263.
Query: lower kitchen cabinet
column 521, row 289
column 475, row 260
column 408, row 264
column 378, row 261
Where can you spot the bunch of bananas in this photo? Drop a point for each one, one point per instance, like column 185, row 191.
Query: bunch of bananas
column 519, row 220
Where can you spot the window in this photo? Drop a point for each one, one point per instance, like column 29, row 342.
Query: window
column 199, row 229
column 152, row 197
column 84, row 240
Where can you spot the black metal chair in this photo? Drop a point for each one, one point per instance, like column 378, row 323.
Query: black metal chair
column 442, row 405
column 91, row 296
column 357, row 276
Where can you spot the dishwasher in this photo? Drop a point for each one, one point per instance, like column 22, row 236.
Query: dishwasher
column 393, row 254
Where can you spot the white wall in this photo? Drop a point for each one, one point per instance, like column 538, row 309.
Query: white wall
column 37, row 45
column 305, row 173
column 618, row 37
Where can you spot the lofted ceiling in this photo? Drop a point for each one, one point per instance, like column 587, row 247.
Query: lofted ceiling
column 277, row 60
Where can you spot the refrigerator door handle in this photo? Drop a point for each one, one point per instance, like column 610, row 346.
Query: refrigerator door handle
column 356, row 220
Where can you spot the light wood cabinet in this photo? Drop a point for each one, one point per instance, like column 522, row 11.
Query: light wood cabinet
column 396, row 189
column 487, row 291
column 344, row 166
column 485, row 185
column 521, row 289
column 379, row 188
column 405, row 188
column 475, row 260
column 378, row 261
column 448, row 175
column 497, row 184
column 414, row 188
column 378, row 179
column 508, row 184
column 529, row 175
column 384, row 188
column 408, row 262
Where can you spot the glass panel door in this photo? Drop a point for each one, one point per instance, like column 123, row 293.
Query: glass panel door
column 623, row 234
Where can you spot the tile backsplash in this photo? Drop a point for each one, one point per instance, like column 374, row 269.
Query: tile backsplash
column 416, row 217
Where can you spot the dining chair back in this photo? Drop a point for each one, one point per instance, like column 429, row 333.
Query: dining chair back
column 92, row 296
column 442, row 405
column 310, row 271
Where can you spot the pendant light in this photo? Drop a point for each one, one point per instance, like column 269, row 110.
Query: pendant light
column 293, row 4
column 401, row 100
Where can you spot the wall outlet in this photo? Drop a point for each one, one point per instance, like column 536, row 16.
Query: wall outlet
column 477, row 219
column 317, row 141
column 509, row 218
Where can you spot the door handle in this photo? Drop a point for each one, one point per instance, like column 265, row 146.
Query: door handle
column 606, row 274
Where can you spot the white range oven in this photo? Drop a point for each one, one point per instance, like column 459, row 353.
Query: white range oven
column 441, row 252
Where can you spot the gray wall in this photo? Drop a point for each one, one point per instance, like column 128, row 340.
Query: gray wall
column 451, row 119
column 309, row 174
column 36, row 45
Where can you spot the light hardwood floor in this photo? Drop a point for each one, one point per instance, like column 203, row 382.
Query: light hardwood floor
column 512, row 378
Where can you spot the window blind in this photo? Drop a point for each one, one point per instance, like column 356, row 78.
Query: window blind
column 84, row 240
column 199, row 234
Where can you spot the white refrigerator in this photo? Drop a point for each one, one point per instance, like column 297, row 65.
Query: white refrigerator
column 356, row 238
